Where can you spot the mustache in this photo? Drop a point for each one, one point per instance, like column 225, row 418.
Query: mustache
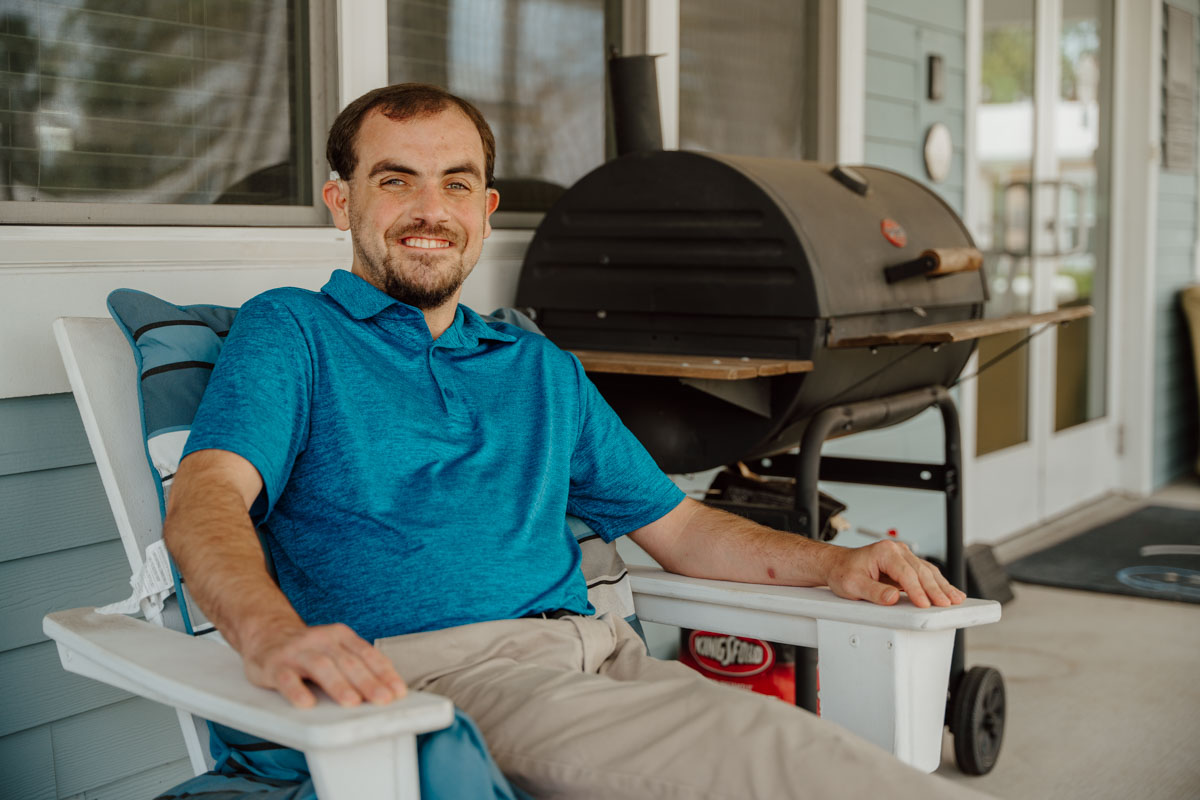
column 424, row 231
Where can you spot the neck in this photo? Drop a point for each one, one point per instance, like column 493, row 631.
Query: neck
column 440, row 318
column 437, row 319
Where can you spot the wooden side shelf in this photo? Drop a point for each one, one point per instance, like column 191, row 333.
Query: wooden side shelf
column 723, row 368
column 962, row 330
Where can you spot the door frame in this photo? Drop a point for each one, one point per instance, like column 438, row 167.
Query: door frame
column 1118, row 446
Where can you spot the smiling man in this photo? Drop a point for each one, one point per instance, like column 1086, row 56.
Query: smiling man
column 411, row 466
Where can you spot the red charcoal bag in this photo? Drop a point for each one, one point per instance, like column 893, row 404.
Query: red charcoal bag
column 760, row 666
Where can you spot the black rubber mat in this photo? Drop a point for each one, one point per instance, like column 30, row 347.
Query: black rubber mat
column 1153, row 552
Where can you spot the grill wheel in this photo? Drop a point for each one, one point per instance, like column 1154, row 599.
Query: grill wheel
column 977, row 720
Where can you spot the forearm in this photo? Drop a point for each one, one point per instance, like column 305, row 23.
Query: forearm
column 703, row 542
column 216, row 549
column 716, row 544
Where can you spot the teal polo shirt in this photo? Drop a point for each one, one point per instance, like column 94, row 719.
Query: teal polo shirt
column 413, row 484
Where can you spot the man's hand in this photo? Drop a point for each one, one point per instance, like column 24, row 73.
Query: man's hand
column 333, row 657
column 877, row 572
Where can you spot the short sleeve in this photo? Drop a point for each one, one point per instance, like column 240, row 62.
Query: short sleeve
column 257, row 403
column 616, row 487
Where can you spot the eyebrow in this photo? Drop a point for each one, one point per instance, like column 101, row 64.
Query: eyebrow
column 392, row 166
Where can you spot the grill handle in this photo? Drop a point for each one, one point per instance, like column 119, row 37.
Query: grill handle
column 935, row 263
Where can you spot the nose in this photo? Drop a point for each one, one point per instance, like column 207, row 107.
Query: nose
column 429, row 205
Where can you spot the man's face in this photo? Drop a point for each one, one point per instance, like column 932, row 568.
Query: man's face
column 417, row 206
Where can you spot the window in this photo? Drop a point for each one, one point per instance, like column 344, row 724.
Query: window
column 746, row 73
column 535, row 68
column 158, row 111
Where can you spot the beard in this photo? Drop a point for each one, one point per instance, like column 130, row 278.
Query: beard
column 423, row 279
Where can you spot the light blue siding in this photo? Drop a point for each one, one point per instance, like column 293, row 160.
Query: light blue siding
column 900, row 38
column 63, row 736
column 27, row 766
column 114, row 743
column 38, row 690
column 150, row 783
column 51, row 510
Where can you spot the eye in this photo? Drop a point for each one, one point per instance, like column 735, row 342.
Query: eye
column 393, row 182
column 459, row 186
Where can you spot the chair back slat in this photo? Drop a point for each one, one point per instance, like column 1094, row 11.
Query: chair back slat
column 104, row 379
column 103, row 376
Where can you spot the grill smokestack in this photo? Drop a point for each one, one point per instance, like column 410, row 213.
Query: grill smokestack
column 637, row 123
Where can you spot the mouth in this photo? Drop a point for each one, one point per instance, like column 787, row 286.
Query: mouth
column 425, row 243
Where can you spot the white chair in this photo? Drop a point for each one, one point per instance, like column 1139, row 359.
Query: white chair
column 884, row 670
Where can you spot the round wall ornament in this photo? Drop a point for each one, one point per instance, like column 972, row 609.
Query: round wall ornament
column 939, row 152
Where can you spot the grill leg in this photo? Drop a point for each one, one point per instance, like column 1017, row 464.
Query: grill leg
column 955, row 562
column 808, row 471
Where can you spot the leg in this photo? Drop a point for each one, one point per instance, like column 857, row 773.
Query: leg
column 590, row 715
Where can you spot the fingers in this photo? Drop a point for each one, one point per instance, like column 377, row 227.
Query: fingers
column 333, row 658
column 375, row 675
column 876, row 573
column 922, row 581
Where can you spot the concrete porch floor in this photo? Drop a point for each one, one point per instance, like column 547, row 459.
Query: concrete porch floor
column 1103, row 690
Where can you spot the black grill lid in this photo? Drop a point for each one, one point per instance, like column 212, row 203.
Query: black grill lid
column 689, row 233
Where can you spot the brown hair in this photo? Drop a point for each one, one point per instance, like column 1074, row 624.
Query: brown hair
column 400, row 102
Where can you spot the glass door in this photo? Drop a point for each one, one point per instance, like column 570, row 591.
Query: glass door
column 1043, row 442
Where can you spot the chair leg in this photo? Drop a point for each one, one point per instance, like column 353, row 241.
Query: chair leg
column 385, row 768
column 887, row 686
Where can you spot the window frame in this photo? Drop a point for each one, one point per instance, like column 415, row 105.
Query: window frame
column 319, row 26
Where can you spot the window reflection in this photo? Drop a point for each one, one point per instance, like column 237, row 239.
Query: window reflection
column 535, row 68
column 1002, row 222
column 152, row 102
column 743, row 77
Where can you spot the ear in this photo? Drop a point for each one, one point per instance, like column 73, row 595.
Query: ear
column 336, row 194
column 493, row 201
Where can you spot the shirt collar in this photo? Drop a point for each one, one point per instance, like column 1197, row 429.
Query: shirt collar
column 362, row 301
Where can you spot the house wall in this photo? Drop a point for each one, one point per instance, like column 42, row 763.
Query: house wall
column 900, row 35
column 63, row 736
column 1175, row 402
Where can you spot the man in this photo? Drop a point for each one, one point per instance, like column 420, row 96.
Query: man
column 412, row 465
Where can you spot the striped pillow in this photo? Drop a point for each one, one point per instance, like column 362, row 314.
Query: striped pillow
column 175, row 348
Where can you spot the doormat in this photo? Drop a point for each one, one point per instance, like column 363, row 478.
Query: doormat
column 1153, row 552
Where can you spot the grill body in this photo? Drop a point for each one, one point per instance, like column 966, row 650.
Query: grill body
column 700, row 254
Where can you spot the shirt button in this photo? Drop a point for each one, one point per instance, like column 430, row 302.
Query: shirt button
column 449, row 393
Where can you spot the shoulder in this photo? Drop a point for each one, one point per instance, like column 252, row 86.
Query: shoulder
column 284, row 299
column 288, row 307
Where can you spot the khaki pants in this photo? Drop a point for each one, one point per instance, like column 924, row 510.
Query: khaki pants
column 575, row 708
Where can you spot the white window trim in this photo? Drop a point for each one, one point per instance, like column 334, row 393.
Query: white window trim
column 362, row 48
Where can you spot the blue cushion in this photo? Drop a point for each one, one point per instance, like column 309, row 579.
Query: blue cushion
column 175, row 348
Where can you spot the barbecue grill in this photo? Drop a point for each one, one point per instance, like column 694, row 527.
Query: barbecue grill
column 724, row 258
column 730, row 308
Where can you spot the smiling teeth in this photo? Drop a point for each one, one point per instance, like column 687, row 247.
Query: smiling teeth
column 427, row 244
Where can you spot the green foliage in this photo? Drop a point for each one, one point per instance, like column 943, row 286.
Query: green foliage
column 1007, row 65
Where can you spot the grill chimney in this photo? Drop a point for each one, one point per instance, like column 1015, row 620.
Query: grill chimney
column 637, row 122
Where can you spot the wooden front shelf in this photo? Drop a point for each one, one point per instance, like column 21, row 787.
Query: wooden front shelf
column 962, row 330
column 721, row 368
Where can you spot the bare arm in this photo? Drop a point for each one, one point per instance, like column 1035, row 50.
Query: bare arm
column 209, row 533
column 704, row 542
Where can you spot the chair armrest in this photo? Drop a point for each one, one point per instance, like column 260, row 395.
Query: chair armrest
column 785, row 614
column 205, row 678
